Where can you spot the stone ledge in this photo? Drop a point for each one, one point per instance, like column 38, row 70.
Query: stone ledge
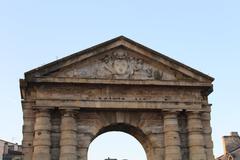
column 120, row 82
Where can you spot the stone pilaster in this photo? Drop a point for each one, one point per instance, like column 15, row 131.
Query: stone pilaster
column 68, row 141
column 207, row 132
column 171, row 136
column 42, row 140
column 195, row 137
column 27, row 130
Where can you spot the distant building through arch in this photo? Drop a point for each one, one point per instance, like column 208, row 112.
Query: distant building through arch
column 111, row 158
column 117, row 85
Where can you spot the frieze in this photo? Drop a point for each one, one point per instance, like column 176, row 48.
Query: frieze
column 118, row 93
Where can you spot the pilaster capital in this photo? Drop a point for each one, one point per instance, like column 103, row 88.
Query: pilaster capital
column 42, row 112
column 206, row 116
column 27, row 104
column 168, row 114
column 68, row 112
column 193, row 115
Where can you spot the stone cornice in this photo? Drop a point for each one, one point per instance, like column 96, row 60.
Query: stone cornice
column 119, row 82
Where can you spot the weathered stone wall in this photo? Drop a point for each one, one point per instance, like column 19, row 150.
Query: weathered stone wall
column 231, row 146
column 118, row 85
column 60, row 133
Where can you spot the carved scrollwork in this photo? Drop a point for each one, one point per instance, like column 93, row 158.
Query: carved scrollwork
column 121, row 66
column 118, row 64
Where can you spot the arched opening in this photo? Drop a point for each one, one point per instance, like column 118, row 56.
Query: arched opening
column 119, row 141
column 117, row 145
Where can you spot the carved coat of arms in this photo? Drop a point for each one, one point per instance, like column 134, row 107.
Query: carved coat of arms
column 120, row 65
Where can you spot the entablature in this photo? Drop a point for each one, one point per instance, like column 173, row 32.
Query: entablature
column 121, row 105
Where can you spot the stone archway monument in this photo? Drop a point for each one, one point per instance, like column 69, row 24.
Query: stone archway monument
column 118, row 85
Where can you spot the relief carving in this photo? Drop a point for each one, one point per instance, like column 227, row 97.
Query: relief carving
column 118, row 64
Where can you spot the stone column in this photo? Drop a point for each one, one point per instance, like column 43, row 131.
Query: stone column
column 42, row 140
column 68, row 140
column 28, row 129
column 171, row 136
column 207, row 131
column 195, row 137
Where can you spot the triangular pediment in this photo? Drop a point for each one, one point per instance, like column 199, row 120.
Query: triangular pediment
column 119, row 58
column 119, row 63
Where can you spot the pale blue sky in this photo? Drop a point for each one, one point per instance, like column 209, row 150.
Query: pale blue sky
column 118, row 145
column 202, row 34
